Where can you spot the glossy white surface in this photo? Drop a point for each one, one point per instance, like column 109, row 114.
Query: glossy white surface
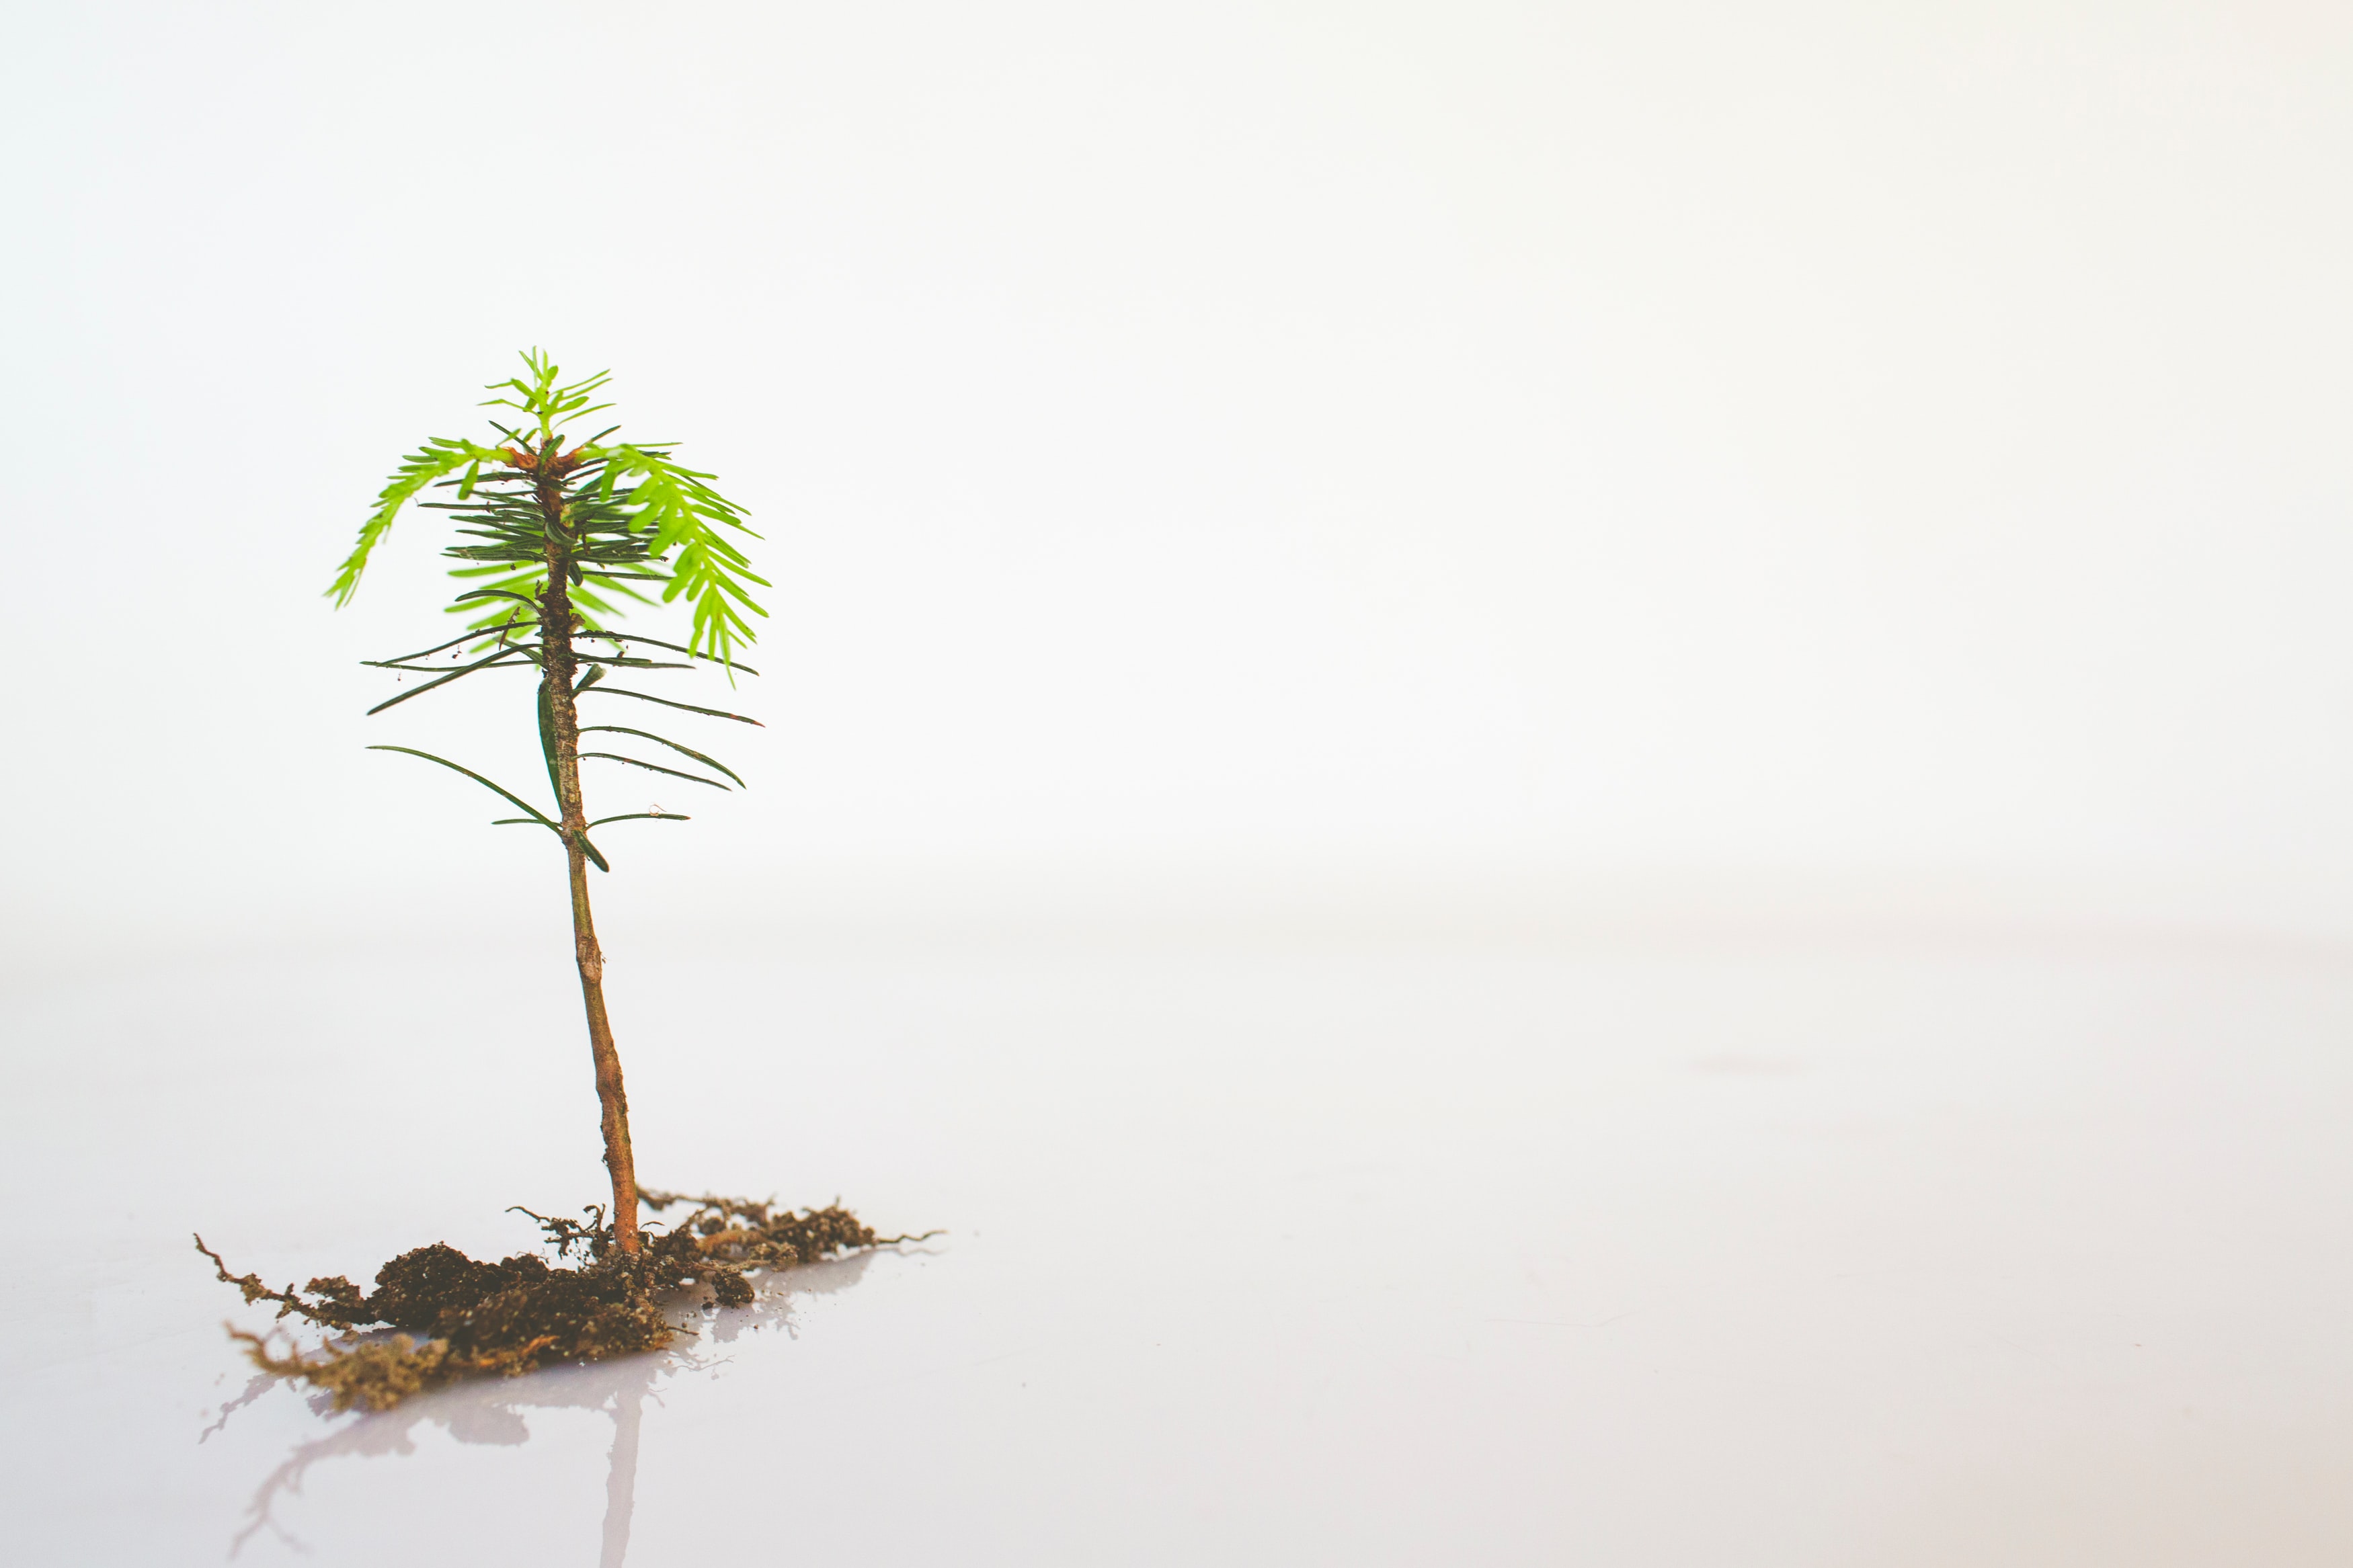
column 1813, row 1253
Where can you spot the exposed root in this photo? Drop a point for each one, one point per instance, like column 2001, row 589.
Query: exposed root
column 509, row 1317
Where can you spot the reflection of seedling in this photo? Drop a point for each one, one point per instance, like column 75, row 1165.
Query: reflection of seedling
column 559, row 535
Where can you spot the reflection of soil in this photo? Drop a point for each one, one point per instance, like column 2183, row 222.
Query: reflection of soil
column 492, row 1411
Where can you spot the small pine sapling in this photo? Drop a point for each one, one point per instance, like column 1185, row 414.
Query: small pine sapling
column 562, row 535
column 558, row 536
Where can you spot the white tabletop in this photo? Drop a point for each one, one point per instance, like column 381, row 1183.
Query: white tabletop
column 1728, row 1249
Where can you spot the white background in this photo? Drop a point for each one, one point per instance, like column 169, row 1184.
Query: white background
column 1213, row 442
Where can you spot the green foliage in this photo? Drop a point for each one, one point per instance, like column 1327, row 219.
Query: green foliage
column 607, row 517
column 421, row 467
column 631, row 514
column 706, row 570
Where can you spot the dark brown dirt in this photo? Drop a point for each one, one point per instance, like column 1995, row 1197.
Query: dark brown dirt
column 508, row 1318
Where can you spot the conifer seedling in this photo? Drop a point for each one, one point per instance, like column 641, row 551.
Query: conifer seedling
column 554, row 540
column 562, row 535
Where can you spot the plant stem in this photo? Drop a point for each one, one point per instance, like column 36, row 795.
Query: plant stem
column 560, row 732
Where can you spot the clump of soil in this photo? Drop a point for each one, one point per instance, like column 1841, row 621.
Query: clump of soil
column 508, row 1318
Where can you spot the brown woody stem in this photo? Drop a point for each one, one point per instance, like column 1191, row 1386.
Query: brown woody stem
column 561, row 731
